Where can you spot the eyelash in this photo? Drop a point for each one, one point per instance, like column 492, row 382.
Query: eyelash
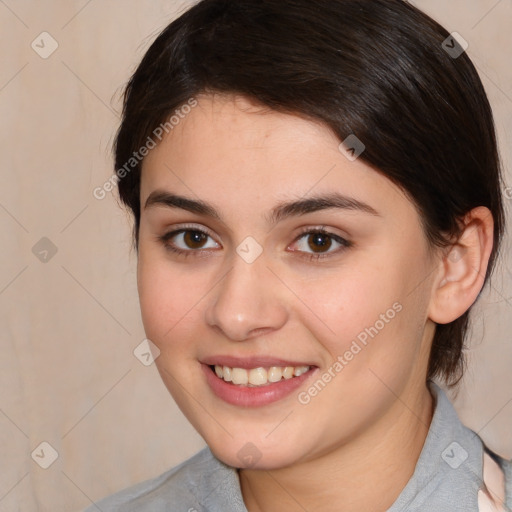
column 164, row 239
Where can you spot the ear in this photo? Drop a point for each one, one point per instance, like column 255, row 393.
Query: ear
column 462, row 268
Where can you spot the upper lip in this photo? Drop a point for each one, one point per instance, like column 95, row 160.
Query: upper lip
column 250, row 362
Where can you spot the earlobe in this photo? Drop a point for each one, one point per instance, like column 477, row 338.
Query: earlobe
column 462, row 268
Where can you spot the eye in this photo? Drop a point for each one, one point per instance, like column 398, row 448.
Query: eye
column 319, row 243
column 315, row 243
column 186, row 240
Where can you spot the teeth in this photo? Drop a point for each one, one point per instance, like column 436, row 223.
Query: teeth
column 226, row 373
column 288, row 372
column 274, row 374
column 239, row 376
column 259, row 376
column 299, row 370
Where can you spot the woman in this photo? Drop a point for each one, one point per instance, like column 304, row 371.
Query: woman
column 316, row 192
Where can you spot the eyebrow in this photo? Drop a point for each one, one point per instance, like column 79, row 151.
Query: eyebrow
column 283, row 210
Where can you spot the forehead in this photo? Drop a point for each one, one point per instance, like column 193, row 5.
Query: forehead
column 230, row 150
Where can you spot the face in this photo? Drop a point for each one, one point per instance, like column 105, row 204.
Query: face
column 304, row 275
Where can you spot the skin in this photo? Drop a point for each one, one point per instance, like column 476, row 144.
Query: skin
column 356, row 442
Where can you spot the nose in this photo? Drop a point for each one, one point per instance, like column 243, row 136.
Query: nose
column 247, row 302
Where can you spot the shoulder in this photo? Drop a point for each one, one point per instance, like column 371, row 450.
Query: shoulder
column 184, row 486
column 449, row 472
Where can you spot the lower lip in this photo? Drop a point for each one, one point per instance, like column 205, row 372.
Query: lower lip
column 245, row 396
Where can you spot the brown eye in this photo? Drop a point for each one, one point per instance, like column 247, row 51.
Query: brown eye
column 194, row 239
column 319, row 242
column 189, row 241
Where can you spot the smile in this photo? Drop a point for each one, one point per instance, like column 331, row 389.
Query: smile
column 255, row 377
column 256, row 385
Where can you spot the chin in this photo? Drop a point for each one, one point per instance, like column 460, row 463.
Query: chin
column 248, row 455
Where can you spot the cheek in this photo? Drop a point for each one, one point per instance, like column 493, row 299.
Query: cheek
column 367, row 316
column 167, row 296
column 353, row 298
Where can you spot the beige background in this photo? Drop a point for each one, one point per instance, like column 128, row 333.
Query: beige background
column 68, row 375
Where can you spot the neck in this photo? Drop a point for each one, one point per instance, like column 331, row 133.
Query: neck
column 367, row 473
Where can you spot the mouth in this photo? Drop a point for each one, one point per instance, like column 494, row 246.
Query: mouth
column 255, row 386
column 257, row 377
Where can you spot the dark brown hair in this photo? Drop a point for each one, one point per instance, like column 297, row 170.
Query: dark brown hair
column 377, row 69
